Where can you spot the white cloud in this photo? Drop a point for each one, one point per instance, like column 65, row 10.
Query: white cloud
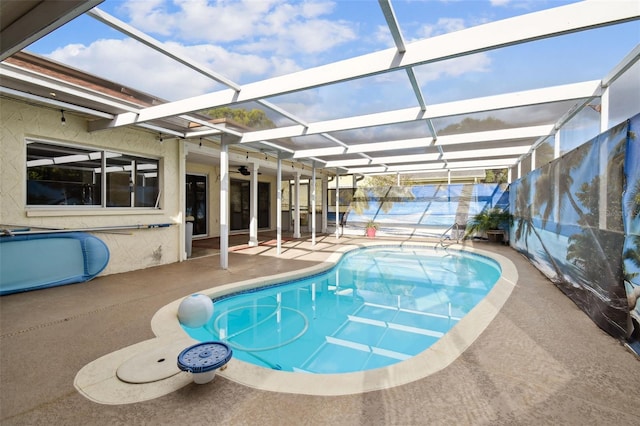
column 443, row 26
column 318, row 8
column 480, row 62
column 527, row 4
column 132, row 64
column 235, row 66
column 266, row 37
column 149, row 16
column 383, row 36
column 314, row 36
column 250, row 26
column 221, row 21
column 281, row 65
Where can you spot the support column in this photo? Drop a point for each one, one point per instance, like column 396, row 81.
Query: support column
column 253, row 206
column 224, row 205
column 602, row 190
column 556, row 192
column 604, row 110
column 556, row 183
column 337, row 204
column 533, row 160
column 296, row 223
column 279, row 207
column 312, row 207
column 182, row 182
column 325, row 202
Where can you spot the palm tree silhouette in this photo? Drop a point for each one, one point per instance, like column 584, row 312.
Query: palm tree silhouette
column 588, row 215
column 523, row 209
column 596, row 250
column 632, row 254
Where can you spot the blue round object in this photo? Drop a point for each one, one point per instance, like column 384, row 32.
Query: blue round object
column 204, row 357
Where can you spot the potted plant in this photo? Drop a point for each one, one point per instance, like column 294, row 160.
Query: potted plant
column 370, row 229
column 492, row 222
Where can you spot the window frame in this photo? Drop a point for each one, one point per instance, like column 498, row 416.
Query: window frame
column 103, row 185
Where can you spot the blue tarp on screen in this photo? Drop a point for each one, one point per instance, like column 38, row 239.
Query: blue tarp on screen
column 631, row 216
column 568, row 220
column 426, row 209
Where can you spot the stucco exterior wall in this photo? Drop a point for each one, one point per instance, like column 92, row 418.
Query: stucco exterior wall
column 131, row 249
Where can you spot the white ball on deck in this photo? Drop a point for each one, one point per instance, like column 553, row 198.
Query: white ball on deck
column 195, row 310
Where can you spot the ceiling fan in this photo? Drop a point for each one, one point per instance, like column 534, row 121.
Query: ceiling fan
column 244, row 171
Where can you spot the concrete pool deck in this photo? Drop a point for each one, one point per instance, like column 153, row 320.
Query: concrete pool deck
column 541, row 359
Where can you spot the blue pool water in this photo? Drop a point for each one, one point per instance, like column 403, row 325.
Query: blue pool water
column 376, row 307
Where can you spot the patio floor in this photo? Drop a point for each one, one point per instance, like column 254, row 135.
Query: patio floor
column 541, row 360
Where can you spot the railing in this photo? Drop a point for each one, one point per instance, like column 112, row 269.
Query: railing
column 455, row 227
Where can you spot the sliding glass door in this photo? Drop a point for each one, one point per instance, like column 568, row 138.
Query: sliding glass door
column 240, row 202
column 196, row 195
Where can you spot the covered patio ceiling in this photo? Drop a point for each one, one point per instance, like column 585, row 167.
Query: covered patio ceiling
column 400, row 140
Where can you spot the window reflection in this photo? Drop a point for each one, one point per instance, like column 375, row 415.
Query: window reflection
column 68, row 175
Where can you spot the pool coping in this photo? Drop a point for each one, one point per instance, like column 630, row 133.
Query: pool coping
column 99, row 381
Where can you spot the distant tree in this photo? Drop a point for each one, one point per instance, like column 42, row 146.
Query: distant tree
column 254, row 119
column 496, row 176
column 474, row 125
column 379, row 180
column 406, row 179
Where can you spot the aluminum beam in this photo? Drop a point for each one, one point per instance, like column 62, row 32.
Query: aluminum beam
column 467, row 106
column 626, row 63
column 187, row 61
column 392, row 23
column 476, row 137
column 425, row 158
column 534, row 26
column 421, row 167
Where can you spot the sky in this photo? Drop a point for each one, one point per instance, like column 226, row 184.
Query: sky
column 251, row 40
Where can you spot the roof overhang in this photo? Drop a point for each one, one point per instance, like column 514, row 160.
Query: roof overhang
column 25, row 21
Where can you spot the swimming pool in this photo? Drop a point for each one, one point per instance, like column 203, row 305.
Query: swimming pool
column 376, row 307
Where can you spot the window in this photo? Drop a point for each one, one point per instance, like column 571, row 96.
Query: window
column 68, row 175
